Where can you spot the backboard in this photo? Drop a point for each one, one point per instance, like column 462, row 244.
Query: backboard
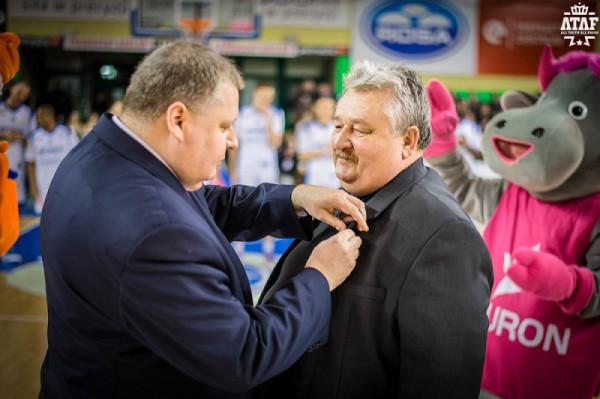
column 204, row 19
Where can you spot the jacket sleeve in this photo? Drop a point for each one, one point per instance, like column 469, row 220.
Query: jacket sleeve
column 442, row 317
column 245, row 213
column 593, row 263
column 478, row 196
column 176, row 300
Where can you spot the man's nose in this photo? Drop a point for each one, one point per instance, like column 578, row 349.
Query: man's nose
column 341, row 139
column 232, row 140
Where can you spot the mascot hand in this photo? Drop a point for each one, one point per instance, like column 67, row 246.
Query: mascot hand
column 9, row 208
column 443, row 120
column 9, row 56
column 548, row 277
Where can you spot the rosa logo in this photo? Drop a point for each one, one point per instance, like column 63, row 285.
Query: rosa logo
column 414, row 29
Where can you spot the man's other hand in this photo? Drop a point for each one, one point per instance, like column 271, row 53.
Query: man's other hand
column 336, row 257
column 321, row 203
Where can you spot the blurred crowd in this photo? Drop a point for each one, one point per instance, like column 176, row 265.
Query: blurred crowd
column 40, row 137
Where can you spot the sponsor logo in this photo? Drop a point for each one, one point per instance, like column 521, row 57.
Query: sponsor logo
column 506, row 285
column 414, row 29
column 527, row 331
column 579, row 25
column 494, row 32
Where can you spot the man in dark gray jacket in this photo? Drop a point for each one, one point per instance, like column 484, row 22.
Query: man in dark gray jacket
column 411, row 321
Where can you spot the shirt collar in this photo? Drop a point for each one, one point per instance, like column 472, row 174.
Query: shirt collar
column 137, row 138
column 382, row 198
column 377, row 202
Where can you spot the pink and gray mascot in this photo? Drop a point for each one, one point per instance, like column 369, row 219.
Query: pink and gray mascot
column 542, row 227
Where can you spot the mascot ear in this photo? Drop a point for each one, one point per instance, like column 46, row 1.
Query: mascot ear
column 517, row 99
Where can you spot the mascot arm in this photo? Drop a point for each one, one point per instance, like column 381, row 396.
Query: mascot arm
column 9, row 208
column 574, row 288
column 593, row 263
column 479, row 197
column 9, row 57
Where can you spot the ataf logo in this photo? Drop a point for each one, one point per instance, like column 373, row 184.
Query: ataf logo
column 579, row 24
column 413, row 29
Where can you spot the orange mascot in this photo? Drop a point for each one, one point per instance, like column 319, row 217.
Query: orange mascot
column 9, row 209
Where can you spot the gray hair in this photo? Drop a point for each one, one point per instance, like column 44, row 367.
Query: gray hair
column 177, row 71
column 408, row 105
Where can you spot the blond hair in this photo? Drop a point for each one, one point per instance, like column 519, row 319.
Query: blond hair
column 177, row 71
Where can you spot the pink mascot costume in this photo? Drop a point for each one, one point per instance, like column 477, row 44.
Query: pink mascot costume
column 542, row 228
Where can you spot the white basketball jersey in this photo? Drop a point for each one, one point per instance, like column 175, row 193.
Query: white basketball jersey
column 47, row 150
column 313, row 136
column 21, row 120
column 257, row 159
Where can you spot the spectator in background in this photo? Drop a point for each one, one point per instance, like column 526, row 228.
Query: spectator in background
column 58, row 96
column 102, row 101
column 474, row 105
column 90, row 122
column 302, row 100
column 16, row 122
column 485, row 114
column 288, row 161
column 314, row 148
column 47, row 146
column 75, row 123
column 324, row 89
column 259, row 129
column 469, row 136
column 496, row 107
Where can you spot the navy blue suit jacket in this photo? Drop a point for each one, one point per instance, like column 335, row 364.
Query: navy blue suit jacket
column 146, row 297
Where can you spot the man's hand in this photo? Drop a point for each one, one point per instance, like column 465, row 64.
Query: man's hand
column 336, row 257
column 321, row 204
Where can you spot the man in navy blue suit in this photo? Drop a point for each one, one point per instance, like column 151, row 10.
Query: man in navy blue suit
column 146, row 297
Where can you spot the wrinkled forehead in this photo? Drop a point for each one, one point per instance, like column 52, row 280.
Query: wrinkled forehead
column 367, row 105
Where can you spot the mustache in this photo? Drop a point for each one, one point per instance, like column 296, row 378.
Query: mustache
column 346, row 155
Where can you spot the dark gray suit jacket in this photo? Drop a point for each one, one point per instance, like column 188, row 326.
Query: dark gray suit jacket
column 410, row 321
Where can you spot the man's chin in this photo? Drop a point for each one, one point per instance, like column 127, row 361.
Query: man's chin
column 345, row 174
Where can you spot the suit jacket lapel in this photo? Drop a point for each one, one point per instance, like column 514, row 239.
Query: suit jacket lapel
column 119, row 141
column 200, row 202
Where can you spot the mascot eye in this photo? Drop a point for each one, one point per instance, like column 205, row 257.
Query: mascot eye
column 578, row 110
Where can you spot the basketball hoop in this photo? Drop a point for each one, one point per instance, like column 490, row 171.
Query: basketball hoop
column 196, row 28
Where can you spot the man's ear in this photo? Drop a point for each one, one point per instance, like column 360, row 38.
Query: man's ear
column 410, row 139
column 175, row 115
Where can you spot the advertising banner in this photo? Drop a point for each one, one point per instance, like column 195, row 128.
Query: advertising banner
column 512, row 33
column 430, row 36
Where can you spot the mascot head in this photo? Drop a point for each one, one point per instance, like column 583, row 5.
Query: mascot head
column 9, row 57
column 550, row 145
